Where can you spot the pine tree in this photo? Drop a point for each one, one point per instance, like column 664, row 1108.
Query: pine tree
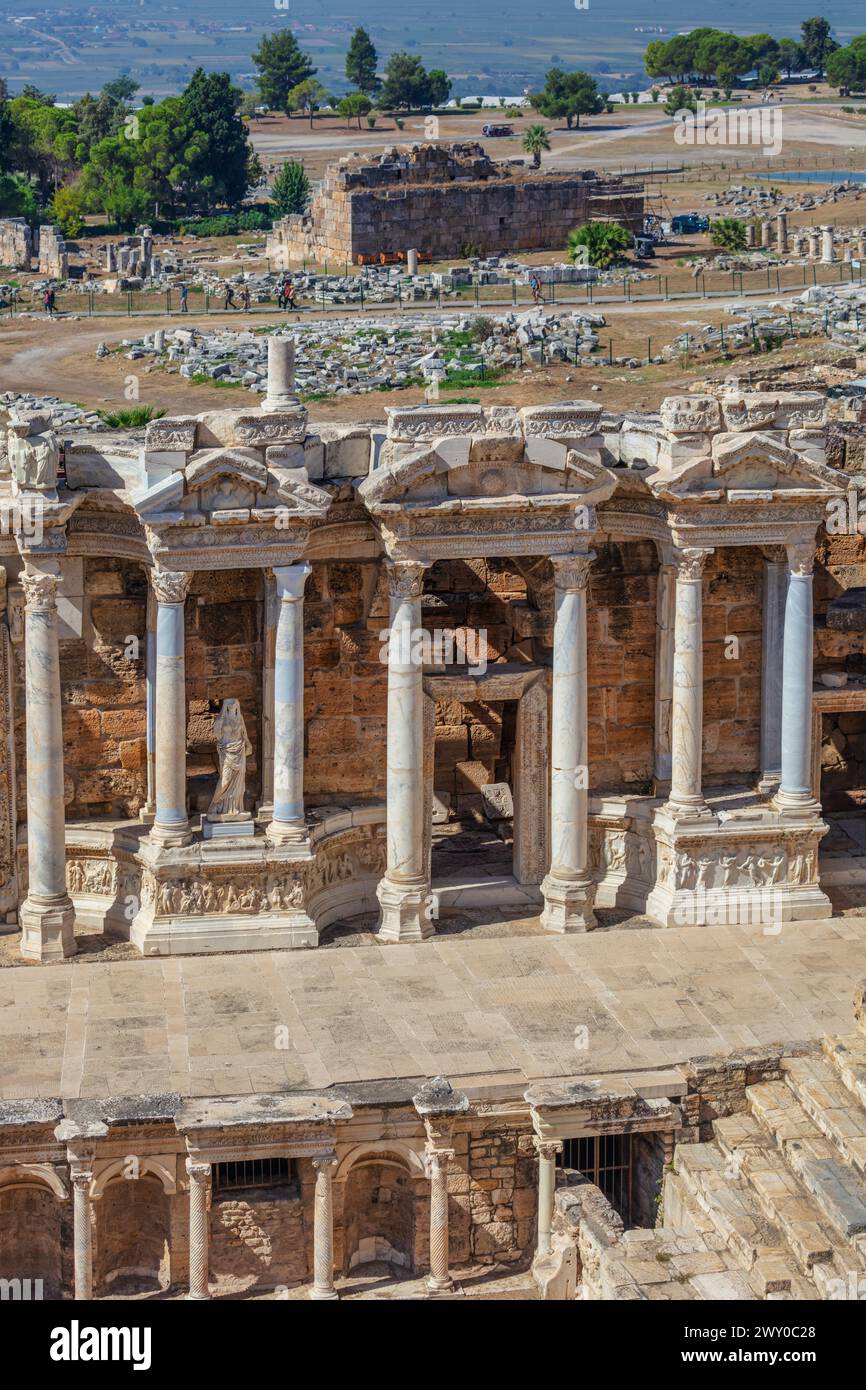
column 282, row 65
column 361, row 61
column 291, row 189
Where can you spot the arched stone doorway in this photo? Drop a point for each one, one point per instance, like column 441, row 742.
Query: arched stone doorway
column 379, row 1214
column 30, row 1240
column 132, row 1242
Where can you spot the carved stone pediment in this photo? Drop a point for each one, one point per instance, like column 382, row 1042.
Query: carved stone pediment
column 240, row 465
column 748, row 467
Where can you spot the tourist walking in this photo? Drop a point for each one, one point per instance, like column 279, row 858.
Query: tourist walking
column 535, row 286
column 229, row 296
column 183, row 304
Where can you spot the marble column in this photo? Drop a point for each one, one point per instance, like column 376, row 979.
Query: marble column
column 782, row 234
column 687, row 709
column 148, row 810
column 795, row 789
column 774, row 592
column 547, row 1150
column 766, row 234
column 666, row 592
column 567, row 887
column 199, row 1229
column 814, row 243
column 404, row 892
column 281, row 375
column 436, row 1163
column 289, row 825
column 323, row 1229
column 828, row 250
column 82, row 1234
column 171, row 823
column 265, row 808
column 47, row 915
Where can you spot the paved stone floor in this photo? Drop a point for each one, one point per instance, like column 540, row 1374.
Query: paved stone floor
column 498, row 1002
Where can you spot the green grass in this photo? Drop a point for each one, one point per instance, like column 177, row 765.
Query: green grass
column 202, row 379
column 454, row 380
column 133, row 418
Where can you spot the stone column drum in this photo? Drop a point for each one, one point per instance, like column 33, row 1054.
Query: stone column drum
column 795, row 790
column 323, row 1229
column 404, row 892
column 828, row 249
column 686, row 798
column 288, row 825
column 47, row 915
column 439, row 1279
column 171, row 823
column 281, row 375
column 567, row 887
column 199, row 1232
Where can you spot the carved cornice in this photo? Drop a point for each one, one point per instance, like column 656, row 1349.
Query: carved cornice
column 405, row 578
column 40, row 592
column 571, row 572
column 170, row 586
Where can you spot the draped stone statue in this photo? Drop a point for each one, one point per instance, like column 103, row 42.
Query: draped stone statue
column 33, row 454
column 233, row 748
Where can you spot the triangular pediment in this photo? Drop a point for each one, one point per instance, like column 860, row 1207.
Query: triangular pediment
column 745, row 466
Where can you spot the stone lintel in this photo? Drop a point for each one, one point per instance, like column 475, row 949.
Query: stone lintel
column 235, row 1112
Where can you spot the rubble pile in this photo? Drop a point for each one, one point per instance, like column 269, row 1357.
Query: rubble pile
column 766, row 199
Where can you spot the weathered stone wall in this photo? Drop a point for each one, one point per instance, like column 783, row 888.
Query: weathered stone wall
column 382, row 1217
column 30, row 1236
column 621, row 627
column 503, row 1178
column 733, row 580
column 259, row 1237
column 439, row 199
column 132, row 1236
column 16, row 243
column 53, row 256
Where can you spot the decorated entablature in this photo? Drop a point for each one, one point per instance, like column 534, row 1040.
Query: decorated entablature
column 269, row 491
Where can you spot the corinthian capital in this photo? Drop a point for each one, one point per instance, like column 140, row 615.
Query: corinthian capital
column 170, row 586
column 40, row 592
column 405, row 578
column 572, row 571
column 690, row 563
column 548, row 1148
column 801, row 558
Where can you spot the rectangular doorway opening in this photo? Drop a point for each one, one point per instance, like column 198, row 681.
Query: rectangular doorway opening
column 606, row 1160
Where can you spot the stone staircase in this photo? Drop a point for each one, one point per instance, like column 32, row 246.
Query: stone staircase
column 783, row 1184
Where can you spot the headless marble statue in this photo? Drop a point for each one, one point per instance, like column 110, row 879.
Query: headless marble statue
column 233, row 748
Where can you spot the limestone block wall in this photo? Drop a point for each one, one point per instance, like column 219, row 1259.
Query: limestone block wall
column 502, row 1182
column 133, row 1229
column 16, row 243
column 53, row 256
column 621, row 627
column 259, row 1237
column 732, row 683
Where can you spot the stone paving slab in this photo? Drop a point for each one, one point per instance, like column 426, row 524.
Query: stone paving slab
column 510, row 1007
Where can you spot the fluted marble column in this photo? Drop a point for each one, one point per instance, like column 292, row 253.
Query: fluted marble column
column 47, row 914
column 436, row 1162
column 82, row 1236
column 687, row 707
column 404, row 892
column 171, row 823
column 289, row 825
column 323, row 1229
column 567, row 887
column 147, row 811
column 547, row 1150
column 199, row 1232
column 795, row 789
column 775, row 589
column 665, row 617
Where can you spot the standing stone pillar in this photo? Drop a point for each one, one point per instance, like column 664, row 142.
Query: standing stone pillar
column 148, row 810
column 436, row 1162
column 795, row 790
column 199, row 1229
column 686, row 798
column 782, row 234
column 265, row 808
column 404, row 892
column 281, row 375
column 171, row 823
column 547, row 1150
column 828, row 250
column 289, row 825
column 412, row 261
column 666, row 593
column 861, row 245
column 82, row 1235
column 766, row 234
column 775, row 589
column 751, row 236
column 814, row 243
column 567, row 887
column 47, row 915
column 323, row 1229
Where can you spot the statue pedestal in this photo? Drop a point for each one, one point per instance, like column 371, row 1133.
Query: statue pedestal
column 227, row 827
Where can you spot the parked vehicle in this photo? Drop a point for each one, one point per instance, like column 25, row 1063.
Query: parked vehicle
column 644, row 247
column 689, row 223
column 491, row 130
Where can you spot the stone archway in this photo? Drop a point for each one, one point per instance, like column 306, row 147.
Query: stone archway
column 379, row 1213
column 31, row 1238
column 133, row 1225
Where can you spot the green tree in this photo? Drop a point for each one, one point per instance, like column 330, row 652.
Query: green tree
column 354, row 106
column 535, row 142
column 728, row 234
column 18, row 197
column 121, row 89
column 767, row 74
column 438, row 87
column 817, row 43
column 600, row 243
column 282, row 65
column 309, row 97
column 791, row 56
column 361, row 62
column 291, row 189
column 846, row 68
column 220, row 167
column 405, row 84
column 67, row 210
column 568, row 95
column 680, row 99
